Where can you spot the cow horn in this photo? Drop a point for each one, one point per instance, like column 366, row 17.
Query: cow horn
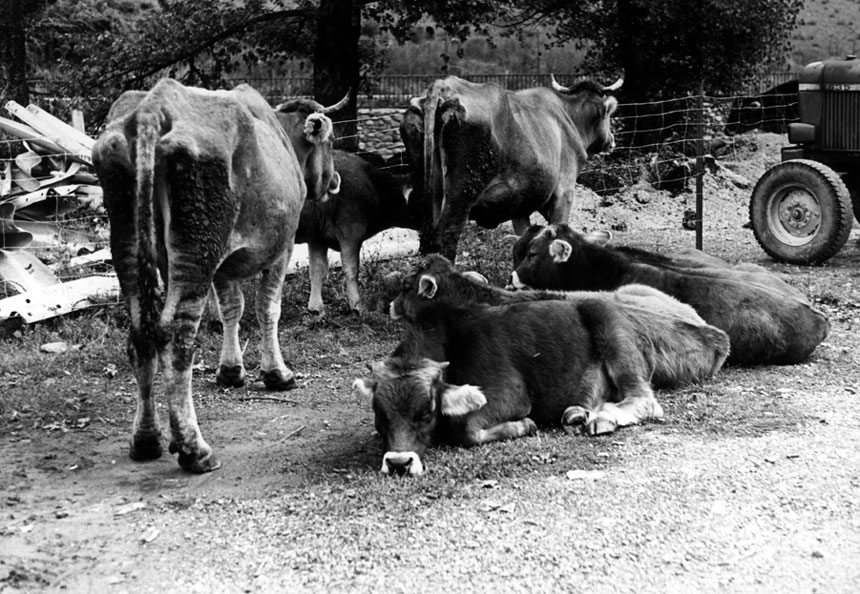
column 556, row 86
column 614, row 86
column 337, row 105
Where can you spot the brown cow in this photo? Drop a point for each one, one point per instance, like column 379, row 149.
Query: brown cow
column 370, row 200
column 203, row 188
column 469, row 373
column 493, row 155
column 767, row 320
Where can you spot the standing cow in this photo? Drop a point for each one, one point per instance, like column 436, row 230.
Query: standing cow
column 370, row 200
column 767, row 320
column 770, row 111
column 204, row 188
column 493, row 155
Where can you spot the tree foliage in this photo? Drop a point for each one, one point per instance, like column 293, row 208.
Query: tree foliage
column 664, row 49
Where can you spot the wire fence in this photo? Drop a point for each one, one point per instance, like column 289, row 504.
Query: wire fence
column 668, row 145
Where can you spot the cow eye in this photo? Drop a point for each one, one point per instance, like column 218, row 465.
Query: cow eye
column 532, row 255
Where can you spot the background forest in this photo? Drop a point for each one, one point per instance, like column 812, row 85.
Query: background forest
column 95, row 49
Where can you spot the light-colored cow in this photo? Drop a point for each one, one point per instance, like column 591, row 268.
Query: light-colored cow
column 203, row 188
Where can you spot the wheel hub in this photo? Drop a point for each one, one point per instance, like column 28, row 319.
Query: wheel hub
column 799, row 213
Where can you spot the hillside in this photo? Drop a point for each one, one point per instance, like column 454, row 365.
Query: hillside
column 826, row 29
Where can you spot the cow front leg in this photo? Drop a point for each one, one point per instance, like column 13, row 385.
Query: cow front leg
column 501, row 432
column 231, row 305
column 557, row 210
column 349, row 256
column 317, row 270
column 630, row 411
column 276, row 374
column 180, row 321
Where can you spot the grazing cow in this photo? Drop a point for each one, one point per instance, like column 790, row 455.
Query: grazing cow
column 468, row 374
column 770, row 112
column 768, row 321
column 494, row 155
column 684, row 348
column 205, row 188
column 370, row 200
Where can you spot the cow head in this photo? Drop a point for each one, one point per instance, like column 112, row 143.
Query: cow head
column 435, row 280
column 311, row 133
column 556, row 257
column 410, row 398
column 591, row 106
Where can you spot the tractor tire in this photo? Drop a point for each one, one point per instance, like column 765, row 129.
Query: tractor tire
column 801, row 212
column 855, row 201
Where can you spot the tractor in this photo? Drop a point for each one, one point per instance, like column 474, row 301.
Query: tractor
column 803, row 208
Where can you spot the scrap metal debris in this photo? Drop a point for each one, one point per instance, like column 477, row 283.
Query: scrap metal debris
column 53, row 229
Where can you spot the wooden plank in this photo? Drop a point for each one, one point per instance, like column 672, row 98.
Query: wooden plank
column 5, row 178
column 60, row 299
column 62, row 127
column 25, row 132
column 75, row 149
column 78, row 121
column 25, row 272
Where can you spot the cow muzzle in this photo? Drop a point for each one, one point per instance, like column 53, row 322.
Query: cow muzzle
column 515, row 284
column 402, row 464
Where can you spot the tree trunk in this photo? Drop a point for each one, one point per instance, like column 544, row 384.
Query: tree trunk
column 336, row 65
column 13, row 53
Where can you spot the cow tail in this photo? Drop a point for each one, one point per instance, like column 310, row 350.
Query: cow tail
column 429, row 140
column 148, row 127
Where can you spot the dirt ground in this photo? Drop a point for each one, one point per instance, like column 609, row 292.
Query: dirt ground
column 752, row 483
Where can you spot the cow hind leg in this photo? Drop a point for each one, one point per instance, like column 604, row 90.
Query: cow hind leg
column 231, row 304
column 350, row 258
column 146, row 433
column 318, row 270
column 180, row 321
column 276, row 374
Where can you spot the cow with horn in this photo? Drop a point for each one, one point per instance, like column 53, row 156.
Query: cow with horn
column 482, row 152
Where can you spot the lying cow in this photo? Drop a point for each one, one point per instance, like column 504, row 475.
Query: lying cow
column 204, row 188
column 468, row 374
column 768, row 321
column 492, row 155
column 369, row 201
column 685, row 349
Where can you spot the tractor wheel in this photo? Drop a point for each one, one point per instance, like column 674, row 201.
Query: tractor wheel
column 801, row 212
column 855, row 201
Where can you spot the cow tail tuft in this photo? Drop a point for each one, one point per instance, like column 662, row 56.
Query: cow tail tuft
column 148, row 127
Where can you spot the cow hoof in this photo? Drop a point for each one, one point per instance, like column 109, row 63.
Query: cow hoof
column 529, row 427
column 230, row 376
column 278, row 381
column 145, row 446
column 574, row 415
column 601, row 424
column 198, row 463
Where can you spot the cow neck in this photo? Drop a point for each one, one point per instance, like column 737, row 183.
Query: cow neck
column 606, row 268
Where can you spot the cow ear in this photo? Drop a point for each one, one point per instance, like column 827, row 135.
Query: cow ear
column 334, row 185
column 560, row 251
column 461, row 400
column 600, row 238
column 610, row 104
column 317, row 128
column 364, row 387
column 427, row 286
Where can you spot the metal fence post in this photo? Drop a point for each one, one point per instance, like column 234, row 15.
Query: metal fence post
column 700, row 162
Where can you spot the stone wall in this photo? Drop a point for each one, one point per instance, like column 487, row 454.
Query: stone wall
column 379, row 131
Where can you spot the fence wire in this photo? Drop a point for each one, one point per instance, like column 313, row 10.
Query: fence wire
column 660, row 143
